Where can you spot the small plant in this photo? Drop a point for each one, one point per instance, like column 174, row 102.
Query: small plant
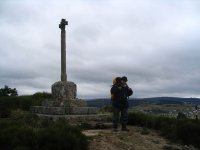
column 145, row 131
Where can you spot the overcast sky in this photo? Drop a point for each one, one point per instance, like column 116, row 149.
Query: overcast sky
column 155, row 43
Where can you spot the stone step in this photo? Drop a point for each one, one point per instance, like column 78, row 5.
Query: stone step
column 64, row 103
column 79, row 118
column 64, row 110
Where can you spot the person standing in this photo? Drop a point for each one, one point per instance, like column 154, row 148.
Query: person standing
column 119, row 97
column 124, row 110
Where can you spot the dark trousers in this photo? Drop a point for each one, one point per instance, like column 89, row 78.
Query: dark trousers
column 124, row 116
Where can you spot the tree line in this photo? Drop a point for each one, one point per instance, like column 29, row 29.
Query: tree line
column 6, row 91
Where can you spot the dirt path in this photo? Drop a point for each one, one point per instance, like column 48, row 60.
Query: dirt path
column 136, row 139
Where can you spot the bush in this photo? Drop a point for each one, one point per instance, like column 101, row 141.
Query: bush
column 9, row 103
column 181, row 116
column 39, row 97
column 185, row 130
column 189, row 132
column 4, row 111
column 40, row 136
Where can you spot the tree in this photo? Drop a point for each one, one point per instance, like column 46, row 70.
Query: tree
column 6, row 91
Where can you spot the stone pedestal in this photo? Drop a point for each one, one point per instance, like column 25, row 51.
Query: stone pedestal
column 64, row 90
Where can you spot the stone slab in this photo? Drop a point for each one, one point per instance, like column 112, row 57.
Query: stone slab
column 64, row 110
column 83, row 110
column 64, row 103
column 49, row 110
column 78, row 118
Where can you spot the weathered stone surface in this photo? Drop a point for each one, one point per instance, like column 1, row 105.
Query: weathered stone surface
column 64, row 110
column 64, row 90
column 65, row 103
column 83, row 110
column 78, row 103
column 49, row 110
column 56, row 103
column 79, row 118
column 62, row 25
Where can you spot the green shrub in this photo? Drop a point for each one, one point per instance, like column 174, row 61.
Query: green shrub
column 185, row 130
column 50, row 136
column 181, row 116
column 4, row 111
column 9, row 103
column 189, row 132
column 21, row 102
column 39, row 97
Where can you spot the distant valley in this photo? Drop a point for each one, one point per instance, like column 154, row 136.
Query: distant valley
column 162, row 106
column 154, row 100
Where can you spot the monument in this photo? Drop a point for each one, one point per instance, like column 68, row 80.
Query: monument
column 65, row 91
column 64, row 103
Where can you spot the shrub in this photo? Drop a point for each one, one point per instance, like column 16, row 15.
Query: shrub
column 10, row 103
column 181, row 116
column 185, row 130
column 4, row 111
column 189, row 132
column 55, row 135
column 39, row 97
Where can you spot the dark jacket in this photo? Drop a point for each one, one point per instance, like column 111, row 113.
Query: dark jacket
column 119, row 99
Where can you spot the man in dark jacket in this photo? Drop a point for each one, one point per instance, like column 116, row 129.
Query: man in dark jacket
column 120, row 92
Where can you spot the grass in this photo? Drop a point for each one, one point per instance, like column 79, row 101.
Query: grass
column 185, row 130
column 27, row 131
column 12, row 103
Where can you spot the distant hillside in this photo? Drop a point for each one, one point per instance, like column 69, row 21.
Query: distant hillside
column 137, row 101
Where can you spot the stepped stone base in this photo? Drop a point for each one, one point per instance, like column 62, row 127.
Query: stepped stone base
column 64, row 104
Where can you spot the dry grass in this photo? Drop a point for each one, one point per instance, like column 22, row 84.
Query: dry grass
column 132, row 140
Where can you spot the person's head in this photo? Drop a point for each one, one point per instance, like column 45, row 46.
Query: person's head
column 124, row 79
column 118, row 80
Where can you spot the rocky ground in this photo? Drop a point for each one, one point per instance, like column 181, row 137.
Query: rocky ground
column 136, row 139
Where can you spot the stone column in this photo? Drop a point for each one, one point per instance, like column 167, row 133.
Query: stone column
column 63, row 49
column 63, row 90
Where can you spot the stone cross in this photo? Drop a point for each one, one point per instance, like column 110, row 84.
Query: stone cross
column 62, row 25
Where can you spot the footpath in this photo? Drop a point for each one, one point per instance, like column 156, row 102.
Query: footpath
column 136, row 139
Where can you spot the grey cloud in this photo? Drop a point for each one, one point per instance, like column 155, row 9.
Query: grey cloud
column 154, row 43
